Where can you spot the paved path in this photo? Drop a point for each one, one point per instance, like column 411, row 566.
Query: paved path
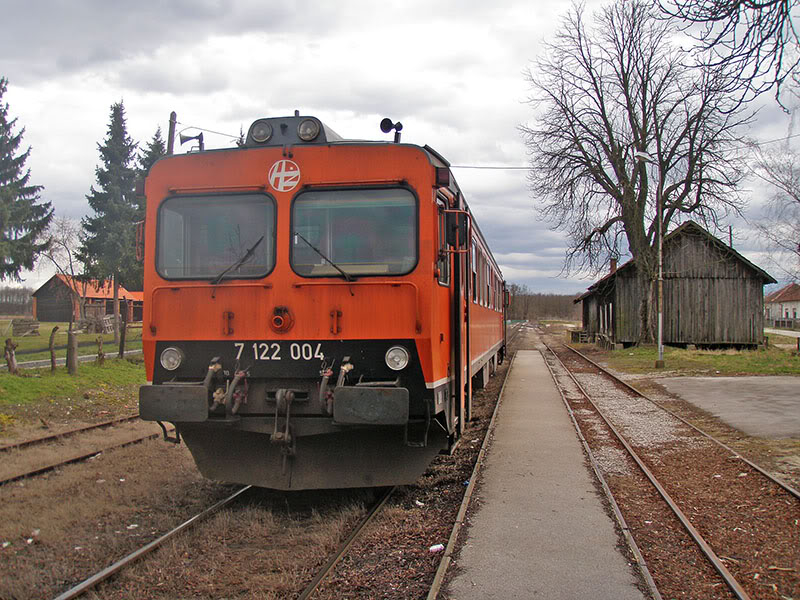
column 786, row 332
column 760, row 406
column 541, row 530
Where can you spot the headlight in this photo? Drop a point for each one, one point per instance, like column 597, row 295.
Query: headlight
column 261, row 131
column 397, row 358
column 171, row 358
column 308, row 129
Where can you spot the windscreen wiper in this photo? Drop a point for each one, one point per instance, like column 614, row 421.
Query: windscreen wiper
column 346, row 275
column 247, row 256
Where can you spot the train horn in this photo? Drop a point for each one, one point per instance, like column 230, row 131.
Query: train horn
column 387, row 126
column 199, row 137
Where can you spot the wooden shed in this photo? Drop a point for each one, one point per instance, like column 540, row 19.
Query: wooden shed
column 56, row 299
column 713, row 296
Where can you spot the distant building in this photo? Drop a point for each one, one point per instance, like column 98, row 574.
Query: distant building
column 784, row 304
column 56, row 299
column 713, row 295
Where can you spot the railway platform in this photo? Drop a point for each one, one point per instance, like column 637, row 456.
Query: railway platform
column 541, row 530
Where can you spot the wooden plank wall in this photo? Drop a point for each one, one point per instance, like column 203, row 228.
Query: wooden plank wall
column 713, row 297
column 710, row 297
column 589, row 305
column 626, row 306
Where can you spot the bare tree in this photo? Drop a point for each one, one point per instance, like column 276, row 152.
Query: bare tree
column 61, row 253
column 754, row 39
column 603, row 94
column 780, row 225
column 527, row 305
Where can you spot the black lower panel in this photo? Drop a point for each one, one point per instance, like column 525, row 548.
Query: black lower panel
column 362, row 457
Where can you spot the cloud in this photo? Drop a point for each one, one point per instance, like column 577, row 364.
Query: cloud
column 451, row 72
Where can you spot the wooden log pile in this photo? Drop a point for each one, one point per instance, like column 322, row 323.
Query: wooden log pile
column 23, row 327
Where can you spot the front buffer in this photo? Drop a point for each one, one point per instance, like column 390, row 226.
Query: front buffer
column 336, row 417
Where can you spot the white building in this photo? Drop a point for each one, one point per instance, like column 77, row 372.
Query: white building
column 783, row 304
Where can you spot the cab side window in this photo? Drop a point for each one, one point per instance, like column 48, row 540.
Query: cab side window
column 443, row 259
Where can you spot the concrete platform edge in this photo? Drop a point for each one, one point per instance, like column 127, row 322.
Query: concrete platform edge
column 462, row 511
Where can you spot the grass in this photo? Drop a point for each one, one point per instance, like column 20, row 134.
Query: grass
column 104, row 382
column 775, row 338
column 769, row 361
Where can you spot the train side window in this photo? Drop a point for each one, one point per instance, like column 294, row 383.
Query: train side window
column 483, row 280
column 443, row 259
column 480, row 278
column 474, row 273
column 486, row 285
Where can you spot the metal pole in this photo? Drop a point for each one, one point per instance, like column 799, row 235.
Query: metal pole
column 643, row 156
column 659, row 211
column 173, row 119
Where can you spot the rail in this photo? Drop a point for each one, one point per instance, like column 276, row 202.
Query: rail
column 737, row 454
column 715, row 561
column 100, row 576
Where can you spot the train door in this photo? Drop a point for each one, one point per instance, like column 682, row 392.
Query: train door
column 457, row 237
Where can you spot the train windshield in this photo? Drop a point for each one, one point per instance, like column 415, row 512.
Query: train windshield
column 201, row 237
column 363, row 232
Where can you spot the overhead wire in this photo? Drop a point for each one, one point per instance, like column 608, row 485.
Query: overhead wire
column 480, row 167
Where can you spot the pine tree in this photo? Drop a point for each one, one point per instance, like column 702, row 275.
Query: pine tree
column 156, row 148
column 23, row 219
column 108, row 248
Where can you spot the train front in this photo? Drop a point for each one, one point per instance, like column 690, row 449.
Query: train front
column 284, row 309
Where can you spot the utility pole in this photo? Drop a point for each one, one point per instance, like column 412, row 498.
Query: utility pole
column 643, row 156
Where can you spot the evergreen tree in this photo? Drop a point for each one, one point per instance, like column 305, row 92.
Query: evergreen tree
column 23, row 219
column 108, row 248
column 156, row 148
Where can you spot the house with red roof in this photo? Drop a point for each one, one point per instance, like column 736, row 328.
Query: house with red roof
column 783, row 304
column 61, row 295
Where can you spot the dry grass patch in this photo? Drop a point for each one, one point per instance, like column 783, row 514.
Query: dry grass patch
column 18, row 461
column 260, row 548
column 60, row 528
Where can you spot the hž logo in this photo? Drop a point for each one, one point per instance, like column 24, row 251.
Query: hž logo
column 284, row 176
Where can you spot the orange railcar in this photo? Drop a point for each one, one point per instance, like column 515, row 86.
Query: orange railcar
column 317, row 310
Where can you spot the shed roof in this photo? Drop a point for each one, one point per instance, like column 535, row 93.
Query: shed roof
column 95, row 289
column 683, row 229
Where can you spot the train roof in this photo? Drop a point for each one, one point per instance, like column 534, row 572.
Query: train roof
column 306, row 130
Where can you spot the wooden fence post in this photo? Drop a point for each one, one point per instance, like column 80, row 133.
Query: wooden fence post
column 11, row 357
column 123, row 328
column 53, row 350
column 72, row 352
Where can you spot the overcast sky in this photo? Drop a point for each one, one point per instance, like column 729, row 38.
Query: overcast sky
column 450, row 71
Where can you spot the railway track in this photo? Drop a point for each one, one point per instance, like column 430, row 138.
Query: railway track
column 745, row 523
column 15, row 468
column 140, row 553
column 100, row 576
column 67, row 433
